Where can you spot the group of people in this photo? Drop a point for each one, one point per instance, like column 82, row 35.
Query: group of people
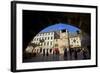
column 69, row 53
column 74, row 53
column 46, row 52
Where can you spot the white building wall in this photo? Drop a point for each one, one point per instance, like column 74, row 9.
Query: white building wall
column 75, row 41
column 48, row 38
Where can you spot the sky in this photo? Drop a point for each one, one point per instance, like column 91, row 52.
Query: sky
column 60, row 26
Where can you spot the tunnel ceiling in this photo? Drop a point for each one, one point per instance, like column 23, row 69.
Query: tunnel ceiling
column 35, row 21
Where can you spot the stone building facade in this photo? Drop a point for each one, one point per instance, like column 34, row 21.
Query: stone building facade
column 49, row 41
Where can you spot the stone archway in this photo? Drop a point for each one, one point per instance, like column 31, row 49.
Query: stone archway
column 35, row 21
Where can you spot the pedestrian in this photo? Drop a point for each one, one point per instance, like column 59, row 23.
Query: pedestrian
column 57, row 51
column 47, row 53
column 70, row 52
column 43, row 52
column 65, row 53
column 89, row 51
column 75, row 53
column 40, row 50
column 50, row 50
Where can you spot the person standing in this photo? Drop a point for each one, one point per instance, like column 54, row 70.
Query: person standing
column 70, row 52
column 47, row 53
column 43, row 52
column 65, row 54
column 75, row 54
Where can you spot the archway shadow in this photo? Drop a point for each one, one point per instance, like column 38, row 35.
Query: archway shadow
column 35, row 21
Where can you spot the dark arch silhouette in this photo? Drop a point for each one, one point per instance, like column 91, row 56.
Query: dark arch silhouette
column 35, row 21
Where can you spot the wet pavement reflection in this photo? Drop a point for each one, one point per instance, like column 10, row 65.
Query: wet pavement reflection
column 58, row 57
